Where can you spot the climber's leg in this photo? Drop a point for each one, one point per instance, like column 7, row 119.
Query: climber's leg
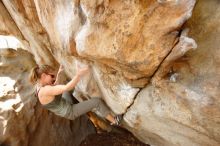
column 88, row 105
column 71, row 111
column 68, row 97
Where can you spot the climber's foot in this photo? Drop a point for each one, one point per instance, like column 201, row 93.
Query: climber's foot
column 117, row 120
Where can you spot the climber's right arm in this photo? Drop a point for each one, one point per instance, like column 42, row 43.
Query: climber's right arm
column 59, row 89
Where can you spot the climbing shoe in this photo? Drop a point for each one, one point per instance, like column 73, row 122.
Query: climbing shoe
column 118, row 120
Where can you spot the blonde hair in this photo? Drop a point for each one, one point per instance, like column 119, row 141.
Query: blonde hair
column 37, row 71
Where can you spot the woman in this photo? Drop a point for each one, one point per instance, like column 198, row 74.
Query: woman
column 50, row 95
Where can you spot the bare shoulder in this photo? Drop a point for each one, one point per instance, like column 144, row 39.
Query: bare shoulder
column 43, row 95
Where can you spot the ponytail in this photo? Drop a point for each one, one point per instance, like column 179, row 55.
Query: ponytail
column 34, row 75
column 36, row 72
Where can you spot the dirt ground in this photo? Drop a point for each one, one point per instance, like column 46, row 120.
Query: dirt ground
column 124, row 138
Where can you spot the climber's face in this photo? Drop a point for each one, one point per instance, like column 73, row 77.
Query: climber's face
column 51, row 78
column 48, row 78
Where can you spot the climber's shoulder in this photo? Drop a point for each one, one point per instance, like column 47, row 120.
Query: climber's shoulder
column 43, row 95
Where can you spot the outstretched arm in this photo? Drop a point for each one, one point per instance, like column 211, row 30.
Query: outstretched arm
column 59, row 89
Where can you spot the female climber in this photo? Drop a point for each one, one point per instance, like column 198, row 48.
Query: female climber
column 50, row 95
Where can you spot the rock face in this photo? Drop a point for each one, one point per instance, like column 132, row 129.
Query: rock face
column 143, row 58
column 182, row 107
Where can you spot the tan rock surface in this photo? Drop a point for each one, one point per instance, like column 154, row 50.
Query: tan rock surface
column 142, row 62
column 25, row 16
column 182, row 108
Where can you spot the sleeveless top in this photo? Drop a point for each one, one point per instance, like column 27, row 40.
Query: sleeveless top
column 60, row 107
column 53, row 104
